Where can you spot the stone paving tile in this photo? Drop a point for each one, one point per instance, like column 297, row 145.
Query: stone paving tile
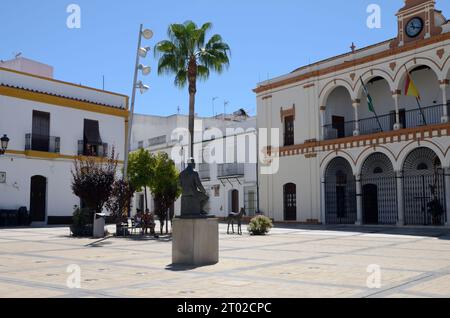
column 291, row 262
column 17, row 291
column 438, row 286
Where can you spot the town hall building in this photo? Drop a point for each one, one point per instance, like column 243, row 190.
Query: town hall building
column 365, row 136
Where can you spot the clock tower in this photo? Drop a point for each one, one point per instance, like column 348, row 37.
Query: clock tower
column 418, row 20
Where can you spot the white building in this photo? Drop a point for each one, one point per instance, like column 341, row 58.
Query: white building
column 219, row 142
column 49, row 124
column 338, row 163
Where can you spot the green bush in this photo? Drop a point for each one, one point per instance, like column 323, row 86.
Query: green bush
column 260, row 225
column 81, row 217
column 82, row 223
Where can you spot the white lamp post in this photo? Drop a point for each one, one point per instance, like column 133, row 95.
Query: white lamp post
column 140, row 53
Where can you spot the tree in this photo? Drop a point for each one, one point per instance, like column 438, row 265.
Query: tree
column 187, row 56
column 140, row 171
column 164, row 186
column 120, row 200
column 93, row 180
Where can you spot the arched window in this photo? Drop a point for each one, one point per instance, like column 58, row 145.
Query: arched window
column 378, row 170
column 422, row 166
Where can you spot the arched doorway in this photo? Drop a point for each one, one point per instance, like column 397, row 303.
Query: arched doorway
column 290, row 202
column 340, row 193
column 379, row 190
column 38, row 198
column 235, row 201
column 424, row 190
column 339, row 114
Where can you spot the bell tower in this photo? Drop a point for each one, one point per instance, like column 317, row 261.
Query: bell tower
column 418, row 20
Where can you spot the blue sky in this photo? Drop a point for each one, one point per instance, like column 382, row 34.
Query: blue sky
column 267, row 37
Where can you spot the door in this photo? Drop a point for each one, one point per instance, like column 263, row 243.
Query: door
column 41, row 131
column 38, row 198
column 338, row 123
column 370, row 204
column 290, row 202
column 235, row 201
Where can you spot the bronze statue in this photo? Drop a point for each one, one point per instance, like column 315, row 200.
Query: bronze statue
column 194, row 197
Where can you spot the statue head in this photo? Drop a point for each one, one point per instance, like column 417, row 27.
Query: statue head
column 191, row 163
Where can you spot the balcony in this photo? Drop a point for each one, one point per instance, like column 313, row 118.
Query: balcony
column 231, row 170
column 204, row 171
column 409, row 119
column 92, row 150
column 34, row 142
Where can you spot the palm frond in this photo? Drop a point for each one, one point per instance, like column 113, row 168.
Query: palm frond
column 181, row 78
column 202, row 72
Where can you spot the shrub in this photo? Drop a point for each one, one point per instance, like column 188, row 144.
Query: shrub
column 81, row 223
column 260, row 225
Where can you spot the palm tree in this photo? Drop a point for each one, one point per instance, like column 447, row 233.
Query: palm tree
column 187, row 55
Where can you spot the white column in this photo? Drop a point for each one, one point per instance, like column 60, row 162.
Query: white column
column 356, row 104
column 359, row 205
column 447, row 194
column 322, row 201
column 322, row 122
column 400, row 198
column 444, row 85
column 397, row 125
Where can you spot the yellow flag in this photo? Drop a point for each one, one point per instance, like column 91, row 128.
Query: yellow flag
column 411, row 88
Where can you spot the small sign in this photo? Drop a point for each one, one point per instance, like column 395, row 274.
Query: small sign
column 2, row 177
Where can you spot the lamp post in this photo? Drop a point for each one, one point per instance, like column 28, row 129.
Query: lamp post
column 145, row 70
column 213, row 105
column 3, row 144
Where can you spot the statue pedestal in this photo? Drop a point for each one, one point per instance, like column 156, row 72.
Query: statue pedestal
column 195, row 241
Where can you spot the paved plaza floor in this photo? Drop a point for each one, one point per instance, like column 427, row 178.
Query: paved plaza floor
column 290, row 262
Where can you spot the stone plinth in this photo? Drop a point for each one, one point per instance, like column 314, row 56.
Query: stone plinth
column 195, row 241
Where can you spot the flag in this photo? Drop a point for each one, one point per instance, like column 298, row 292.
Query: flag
column 369, row 98
column 411, row 88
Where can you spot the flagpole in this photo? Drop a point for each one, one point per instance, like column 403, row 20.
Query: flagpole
column 421, row 112
column 369, row 101
column 417, row 98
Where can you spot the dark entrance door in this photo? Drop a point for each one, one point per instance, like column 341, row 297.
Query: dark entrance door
column 370, row 204
column 38, row 198
column 41, row 131
column 235, row 201
column 338, row 123
column 290, row 202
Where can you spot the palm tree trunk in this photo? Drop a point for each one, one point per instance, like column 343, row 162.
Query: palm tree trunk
column 192, row 78
column 191, row 123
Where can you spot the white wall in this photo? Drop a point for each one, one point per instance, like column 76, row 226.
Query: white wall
column 66, row 123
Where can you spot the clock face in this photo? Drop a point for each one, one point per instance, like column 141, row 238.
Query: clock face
column 414, row 27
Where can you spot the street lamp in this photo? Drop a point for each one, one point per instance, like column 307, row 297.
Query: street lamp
column 145, row 70
column 4, row 144
column 213, row 108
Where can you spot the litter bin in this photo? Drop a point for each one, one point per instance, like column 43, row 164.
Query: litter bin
column 99, row 225
column 24, row 217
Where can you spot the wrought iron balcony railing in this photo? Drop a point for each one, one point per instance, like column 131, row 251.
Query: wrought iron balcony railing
column 412, row 118
column 42, row 143
column 92, row 150
column 231, row 170
column 204, row 171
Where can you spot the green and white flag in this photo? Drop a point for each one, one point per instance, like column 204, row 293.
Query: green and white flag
column 370, row 103
column 369, row 98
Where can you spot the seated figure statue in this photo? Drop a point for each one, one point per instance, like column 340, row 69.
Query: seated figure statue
column 194, row 197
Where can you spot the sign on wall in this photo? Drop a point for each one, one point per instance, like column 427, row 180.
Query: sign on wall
column 2, row 177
